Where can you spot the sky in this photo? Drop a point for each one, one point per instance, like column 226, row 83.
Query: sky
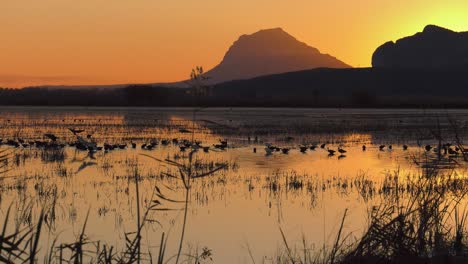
column 82, row 42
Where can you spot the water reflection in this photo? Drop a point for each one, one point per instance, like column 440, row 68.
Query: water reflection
column 245, row 202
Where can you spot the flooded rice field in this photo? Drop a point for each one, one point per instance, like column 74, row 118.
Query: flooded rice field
column 214, row 185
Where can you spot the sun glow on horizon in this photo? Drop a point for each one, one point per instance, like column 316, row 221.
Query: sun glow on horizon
column 95, row 42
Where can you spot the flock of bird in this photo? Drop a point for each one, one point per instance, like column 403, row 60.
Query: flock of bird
column 87, row 143
column 444, row 149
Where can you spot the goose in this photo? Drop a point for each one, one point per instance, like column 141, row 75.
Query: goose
column 323, row 145
column 342, row 151
column 269, row 149
column 51, row 136
column 303, row 148
column 285, row 150
column 363, row 147
column 428, row 147
column 405, row 147
column 390, row 147
column 331, row 152
column 76, row 131
column 452, row 152
column 381, row 147
column 313, row 147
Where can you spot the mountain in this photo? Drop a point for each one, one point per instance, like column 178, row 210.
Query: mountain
column 269, row 51
column 433, row 48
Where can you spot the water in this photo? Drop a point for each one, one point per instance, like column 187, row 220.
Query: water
column 239, row 209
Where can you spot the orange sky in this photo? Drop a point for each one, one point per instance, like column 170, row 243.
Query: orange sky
column 138, row 41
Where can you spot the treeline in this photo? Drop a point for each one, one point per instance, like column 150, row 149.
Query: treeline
column 364, row 87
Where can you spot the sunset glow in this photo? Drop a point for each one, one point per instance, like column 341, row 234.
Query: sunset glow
column 147, row 41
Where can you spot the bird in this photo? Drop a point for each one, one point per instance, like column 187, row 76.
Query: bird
column 269, row 149
column 182, row 147
column 51, row 136
column 390, row 147
column 363, row 147
column 313, row 147
column 184, row 131
column 133, row 145
column 428, row 147
column 76, row 131
column 206, row 149
column 303, row 148
column 254, row 150
column 323, row 145
column 405, row 147
column 331, row 152
column 452, row 152
column 381, row 147
column 285, row 150
column 342, row 151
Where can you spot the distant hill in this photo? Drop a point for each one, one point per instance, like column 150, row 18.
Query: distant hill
column 266, row 52
column 356, row 87
column 433, row 48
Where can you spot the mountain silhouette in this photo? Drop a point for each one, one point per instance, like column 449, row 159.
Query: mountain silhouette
column 434, row 48
column 269, row 51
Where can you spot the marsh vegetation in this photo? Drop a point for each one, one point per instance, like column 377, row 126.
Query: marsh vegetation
column 156, row 186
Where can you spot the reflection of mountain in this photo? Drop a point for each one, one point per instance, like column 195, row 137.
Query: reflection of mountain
column 434, row 48
column 267, row 52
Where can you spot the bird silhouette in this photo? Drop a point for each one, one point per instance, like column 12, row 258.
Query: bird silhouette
column 76, row 131
column 51, row 136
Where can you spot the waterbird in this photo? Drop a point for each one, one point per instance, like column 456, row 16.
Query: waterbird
column 452, row 152
column 342, row 156
column 133, row 145
column 381, row 147
column 184, row 131
column 405, row 147
column 313, row 147
column 390, row 147
column 122, row 146
column 428, row 147
column 363, row 147
column 285, row 150
column 342, row 151
column 182, row 147
column 206, row 149
column 254, row 150
column 269, row 148
column 323, row 145
column 331, row 152
column 76, row 131
column 303, row 148
column 51, row 136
